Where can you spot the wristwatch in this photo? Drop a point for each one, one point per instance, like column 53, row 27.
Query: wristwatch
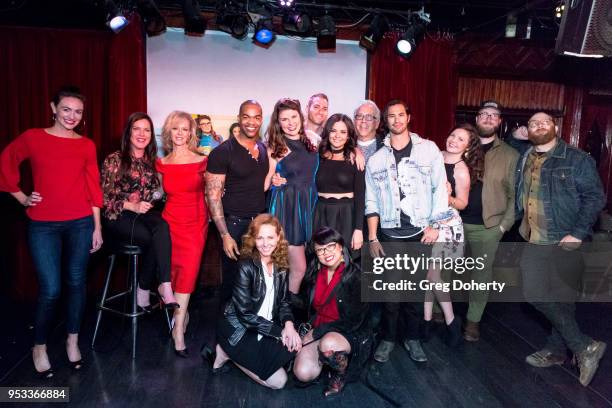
column 435, row 225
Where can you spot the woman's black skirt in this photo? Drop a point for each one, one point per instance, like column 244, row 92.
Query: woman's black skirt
column 337, row 213
column 262, row 357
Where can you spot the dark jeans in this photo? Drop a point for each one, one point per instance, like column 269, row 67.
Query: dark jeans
column 50, row 242
column 551, row 280
column 151, row 232
column 237, row 227
column 393, row 311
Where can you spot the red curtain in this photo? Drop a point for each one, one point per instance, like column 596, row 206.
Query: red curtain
column 427, row 82
column 109, row 68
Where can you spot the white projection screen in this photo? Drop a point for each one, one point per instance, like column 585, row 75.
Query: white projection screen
column 215, row 73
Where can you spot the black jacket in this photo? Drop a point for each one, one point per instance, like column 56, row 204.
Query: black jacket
column 248, row 295
column 352, row 311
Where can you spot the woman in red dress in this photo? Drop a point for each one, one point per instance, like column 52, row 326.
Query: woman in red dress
column 182, row 172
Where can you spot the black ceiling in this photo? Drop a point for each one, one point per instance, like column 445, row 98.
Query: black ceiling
column 480, row 16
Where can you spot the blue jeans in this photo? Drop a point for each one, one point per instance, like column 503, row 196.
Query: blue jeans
column 50, row 243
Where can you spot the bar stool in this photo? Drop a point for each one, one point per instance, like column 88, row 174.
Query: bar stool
column 133, row 252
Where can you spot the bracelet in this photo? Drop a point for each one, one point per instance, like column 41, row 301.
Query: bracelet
column 373, row 240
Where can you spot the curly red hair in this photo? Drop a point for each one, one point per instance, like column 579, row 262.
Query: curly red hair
column 280, row 256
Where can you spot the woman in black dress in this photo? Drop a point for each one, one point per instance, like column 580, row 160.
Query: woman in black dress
column 256, row 331
column 340, row 184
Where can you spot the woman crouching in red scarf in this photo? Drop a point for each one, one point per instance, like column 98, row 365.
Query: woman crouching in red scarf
column 340, row 337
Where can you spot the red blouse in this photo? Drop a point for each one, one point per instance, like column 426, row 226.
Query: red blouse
column 64, row 171
column 326, row 312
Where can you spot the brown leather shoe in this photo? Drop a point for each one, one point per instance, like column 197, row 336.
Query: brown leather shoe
column 472, row 331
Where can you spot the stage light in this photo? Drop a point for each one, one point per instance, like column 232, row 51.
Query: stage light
column 264, row 32
column 114, row 19
column 377, row 29
column 326, row 34
column 195, row 25
column 235, row 24
column 285, row 3
column 297, row 23
column 153, row 20
column 407, row 43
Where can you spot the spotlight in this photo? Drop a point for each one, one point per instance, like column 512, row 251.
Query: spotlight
column 264, row 32
column 297, row 23
column 377, row 29
column 153, row 20
column 235, row 24
column 114, row 19
column 195, row 25
column 559, row 11
column 408, row 41
column 286, row 3
column 326, row 35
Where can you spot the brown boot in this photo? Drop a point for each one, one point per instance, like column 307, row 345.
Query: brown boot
column 338, row 362
column 472, row 331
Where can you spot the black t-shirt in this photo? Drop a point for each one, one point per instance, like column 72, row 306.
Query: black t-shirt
column 244, row 194
column 406, row 228
column 486, row 147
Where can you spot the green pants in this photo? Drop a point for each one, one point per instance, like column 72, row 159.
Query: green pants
column 481, row 241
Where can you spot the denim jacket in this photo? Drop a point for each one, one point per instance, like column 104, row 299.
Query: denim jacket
column 424, row 185
column 572, row 192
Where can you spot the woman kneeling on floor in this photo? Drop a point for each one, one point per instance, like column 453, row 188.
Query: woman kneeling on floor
column 257, row 331
column 340, row 337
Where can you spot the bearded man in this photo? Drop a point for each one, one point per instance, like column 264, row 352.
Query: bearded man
column 560, row 195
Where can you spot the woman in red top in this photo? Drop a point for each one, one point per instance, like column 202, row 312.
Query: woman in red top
column 64, row 212
column 182, row 172
column 340, row 331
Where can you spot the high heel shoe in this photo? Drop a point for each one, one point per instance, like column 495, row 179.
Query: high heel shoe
column 43, row 375
column 209, row 356
column 76, row 365
column 169, row 305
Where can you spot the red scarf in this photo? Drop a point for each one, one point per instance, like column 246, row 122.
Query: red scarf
column 326, row 312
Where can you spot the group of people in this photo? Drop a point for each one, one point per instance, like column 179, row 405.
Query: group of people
column 293, row 209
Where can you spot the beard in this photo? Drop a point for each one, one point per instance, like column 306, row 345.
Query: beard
column 539, row 138
column 486, row 132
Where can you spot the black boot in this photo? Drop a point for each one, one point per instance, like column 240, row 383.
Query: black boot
column 338, row 363
column 453, row 332
column 426, row 330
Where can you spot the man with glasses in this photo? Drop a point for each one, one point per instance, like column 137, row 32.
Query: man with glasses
column 493, row 203
column 560, row 193
column 406, row 193
column 367, row 120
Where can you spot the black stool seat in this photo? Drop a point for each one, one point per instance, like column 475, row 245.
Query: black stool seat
column 133, row 252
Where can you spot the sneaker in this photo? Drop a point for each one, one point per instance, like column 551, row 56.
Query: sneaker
column 588, row 361
column 415, row 350
column 383, row 350
column 544, row 358
column 472, row 331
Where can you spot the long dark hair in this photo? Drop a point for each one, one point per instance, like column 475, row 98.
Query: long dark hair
column 325, row 148
column 231, row 129
column 276, row 138
column 212, row 131
column 473, row 155
column 150, row 153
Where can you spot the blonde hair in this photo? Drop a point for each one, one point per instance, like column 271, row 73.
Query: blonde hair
column 280, row 255
column 166, row 135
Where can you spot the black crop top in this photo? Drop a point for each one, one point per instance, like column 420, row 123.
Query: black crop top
column 340, row 176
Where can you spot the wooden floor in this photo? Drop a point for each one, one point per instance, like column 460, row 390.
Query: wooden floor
column 490, row 373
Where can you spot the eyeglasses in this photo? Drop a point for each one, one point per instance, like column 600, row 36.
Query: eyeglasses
column 327, row 248
column 534, row 124
column 367, row 118
column 485, row 115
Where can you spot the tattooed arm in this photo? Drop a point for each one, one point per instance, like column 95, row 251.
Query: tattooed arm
column 215, row 183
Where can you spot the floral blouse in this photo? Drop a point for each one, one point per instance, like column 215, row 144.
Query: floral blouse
column 139, row 184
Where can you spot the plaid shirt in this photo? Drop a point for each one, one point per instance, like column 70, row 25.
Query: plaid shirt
column 533, row 227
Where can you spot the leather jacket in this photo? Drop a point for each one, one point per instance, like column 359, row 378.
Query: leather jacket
column 248, row 295
column 352, row 311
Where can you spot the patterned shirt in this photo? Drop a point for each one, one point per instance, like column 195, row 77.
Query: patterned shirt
column 533, row 227
column 138, row 184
